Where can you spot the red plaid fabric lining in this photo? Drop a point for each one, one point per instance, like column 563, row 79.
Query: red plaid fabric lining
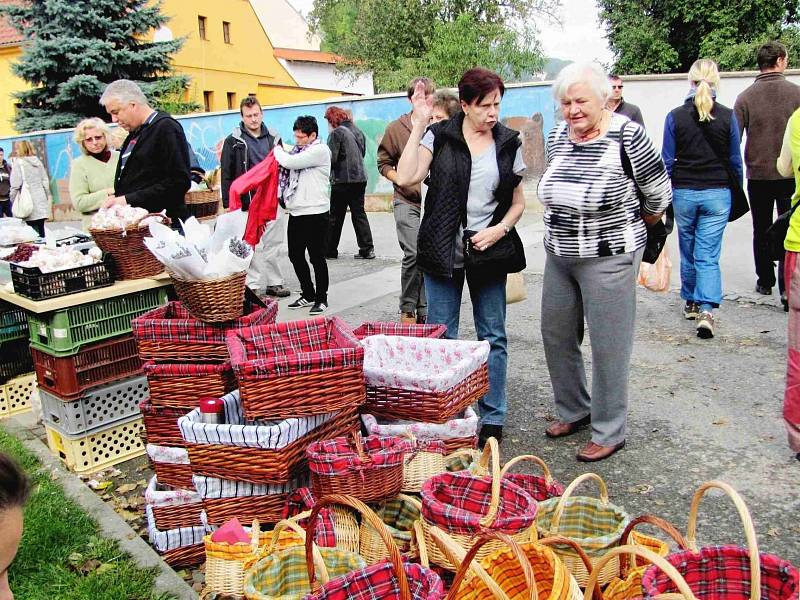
column 185, row 369
column 301, row 500
column 724, row 572
column 295, row 347
column 173, row 323
column 456, row 502
column 403, row 329
column 338, row 456
column 536, row 486
column 378, row 582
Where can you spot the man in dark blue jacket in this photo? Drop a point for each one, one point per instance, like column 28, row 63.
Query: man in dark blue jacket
column 153, row 169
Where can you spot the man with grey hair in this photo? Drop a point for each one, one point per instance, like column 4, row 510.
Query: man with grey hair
column 153, row 168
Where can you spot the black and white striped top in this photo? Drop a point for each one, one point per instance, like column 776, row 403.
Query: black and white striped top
column 590, row 206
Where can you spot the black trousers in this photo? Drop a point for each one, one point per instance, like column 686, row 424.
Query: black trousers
column 765, row 195
column 309, row 232
column 38, row 225
column 5, row 208
column 344, row 195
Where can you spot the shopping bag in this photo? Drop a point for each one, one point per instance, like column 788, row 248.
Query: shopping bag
column 656, row 276
column 515, row 288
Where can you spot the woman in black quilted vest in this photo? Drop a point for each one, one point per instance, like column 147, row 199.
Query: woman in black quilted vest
column 467, row 232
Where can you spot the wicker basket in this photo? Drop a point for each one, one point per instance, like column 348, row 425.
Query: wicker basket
column 171, row 466
column 370, row 469
column 169, row 334
column 161, row 424
column 594, row 524
column 188, row 556
column 425, row 459
column 369, row 328
column 212, row 300
column 246, row 508
column 392, row 394
column 180, row 385
column 173, row 509
column 131, row 257
column 226, row 563
column 336, row 526
column 398, row 515
column 634, row 590
column 297, row 368
column 202, row 204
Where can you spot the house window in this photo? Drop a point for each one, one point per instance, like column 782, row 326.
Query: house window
column 201, row 27
column 208, row 101
column 231, row 100
column 226, row 32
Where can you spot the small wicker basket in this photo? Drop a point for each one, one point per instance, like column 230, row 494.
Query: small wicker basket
column 202, row 204
column 212, row 300
column 126, row 246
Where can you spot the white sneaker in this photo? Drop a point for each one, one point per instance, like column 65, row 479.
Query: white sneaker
column 705, row 325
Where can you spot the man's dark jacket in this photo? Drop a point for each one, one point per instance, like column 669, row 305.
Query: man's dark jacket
column 156, row 174
column 235, row 160
column 5, row 180
column 446, row 201
column 348, row 148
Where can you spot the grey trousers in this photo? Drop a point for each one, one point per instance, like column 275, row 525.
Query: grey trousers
column 412, row 287
column 603, row 291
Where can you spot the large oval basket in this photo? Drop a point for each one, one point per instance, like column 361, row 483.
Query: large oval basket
column 126, row 246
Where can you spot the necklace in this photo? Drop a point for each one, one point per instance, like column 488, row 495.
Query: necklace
column 591, row 134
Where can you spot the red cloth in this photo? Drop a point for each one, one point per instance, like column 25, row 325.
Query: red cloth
column 262, row 180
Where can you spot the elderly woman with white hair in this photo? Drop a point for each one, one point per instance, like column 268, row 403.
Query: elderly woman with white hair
column 595, row 233
column 91, row 179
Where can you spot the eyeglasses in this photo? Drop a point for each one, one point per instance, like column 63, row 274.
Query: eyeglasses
column 96, row 138
column 617, row 87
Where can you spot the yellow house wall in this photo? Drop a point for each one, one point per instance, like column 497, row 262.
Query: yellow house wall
column 9, row 83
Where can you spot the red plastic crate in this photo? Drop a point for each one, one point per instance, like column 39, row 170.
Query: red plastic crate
column 97, row 364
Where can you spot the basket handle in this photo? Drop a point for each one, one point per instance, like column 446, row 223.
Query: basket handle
column 366, row 512
column 747, row 523
column 560, row 540
column 467, row 562
column 529, row 457
column 319, row 563
column 493, row 453
column 666, row 567
column 559, row 510
column 355, row 435
column 419, row 537
column 657, row 522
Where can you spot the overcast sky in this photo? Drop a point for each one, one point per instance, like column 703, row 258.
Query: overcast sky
column 578, row 38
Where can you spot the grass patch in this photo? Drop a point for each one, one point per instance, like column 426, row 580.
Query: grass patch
column 61, row 554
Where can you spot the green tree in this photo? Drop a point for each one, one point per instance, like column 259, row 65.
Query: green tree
column 664, row 36
column 398, row 39
column 74, row 48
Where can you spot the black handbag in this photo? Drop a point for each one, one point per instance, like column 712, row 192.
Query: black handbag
column 506, row 255
column 658, row 232
column 776, row 233
column 739, row 204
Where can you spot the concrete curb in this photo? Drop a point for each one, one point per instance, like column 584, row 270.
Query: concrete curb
column 111, row 524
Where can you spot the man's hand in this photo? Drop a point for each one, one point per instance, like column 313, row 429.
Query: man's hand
column 114, row 201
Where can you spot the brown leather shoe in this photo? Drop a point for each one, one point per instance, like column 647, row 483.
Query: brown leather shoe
column 561, row 429
column 408, row 318
column 593, row 452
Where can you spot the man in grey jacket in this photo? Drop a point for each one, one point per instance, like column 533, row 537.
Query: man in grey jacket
column 248, row 145
column 763, row 110
column 348, row 182
column 617, row 104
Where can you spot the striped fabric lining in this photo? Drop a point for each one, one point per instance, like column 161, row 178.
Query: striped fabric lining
column 213, row 487
column 590, row 206
column 172, row 539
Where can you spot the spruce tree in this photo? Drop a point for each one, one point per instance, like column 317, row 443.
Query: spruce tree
column 74, row 48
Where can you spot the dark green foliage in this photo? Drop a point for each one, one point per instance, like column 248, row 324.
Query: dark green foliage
column 73, row 48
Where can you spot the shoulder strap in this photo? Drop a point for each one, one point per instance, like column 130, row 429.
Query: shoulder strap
column 726, row 163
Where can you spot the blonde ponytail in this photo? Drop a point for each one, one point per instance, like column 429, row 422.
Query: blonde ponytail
column 704, row 76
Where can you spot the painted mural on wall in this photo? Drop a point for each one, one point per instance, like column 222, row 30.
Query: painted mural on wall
column 529, row 109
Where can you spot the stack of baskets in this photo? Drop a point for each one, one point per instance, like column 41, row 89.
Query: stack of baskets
column 184, row 360
column 90, row 379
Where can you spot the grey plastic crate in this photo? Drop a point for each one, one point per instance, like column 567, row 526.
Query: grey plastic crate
column 98, row 407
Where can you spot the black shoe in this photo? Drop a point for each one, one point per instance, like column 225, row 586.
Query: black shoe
column 300, row 303
column 798, row 456
column 785, row 302
column 368, row 256
column 318, row 308
column 278, row 291
column 487, row 431
column 763, row 290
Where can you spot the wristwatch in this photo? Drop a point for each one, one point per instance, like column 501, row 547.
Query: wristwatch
column 506, row 228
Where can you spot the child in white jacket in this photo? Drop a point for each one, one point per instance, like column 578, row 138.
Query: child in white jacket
column 304, row 190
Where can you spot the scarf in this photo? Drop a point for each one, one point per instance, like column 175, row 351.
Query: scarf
column 287, row 179
column 262, row 180
column 103, row 156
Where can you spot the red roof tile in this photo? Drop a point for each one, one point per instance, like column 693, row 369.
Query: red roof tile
column 8, row 35
column 306, row 55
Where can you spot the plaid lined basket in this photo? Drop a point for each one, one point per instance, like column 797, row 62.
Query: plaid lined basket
column 170, row 334
column 369, row 328
column 463, row 505
column 298, row 368
column 180, row 385
column 398, row 515
column 730, row 572
column 594, row 524
column 370, row 469
column 336, row 526
column 387, row 580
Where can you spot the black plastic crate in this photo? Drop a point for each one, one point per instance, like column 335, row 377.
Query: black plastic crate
column 13, row 322
column 32, row 283
column 15, row 359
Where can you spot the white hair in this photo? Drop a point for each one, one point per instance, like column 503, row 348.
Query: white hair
column 124, row 90
column 589, row 73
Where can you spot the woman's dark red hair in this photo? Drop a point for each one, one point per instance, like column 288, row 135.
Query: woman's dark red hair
column 335, row 115
column 478, row 83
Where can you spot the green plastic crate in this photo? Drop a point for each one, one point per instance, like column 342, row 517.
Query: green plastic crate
column 63, row 332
